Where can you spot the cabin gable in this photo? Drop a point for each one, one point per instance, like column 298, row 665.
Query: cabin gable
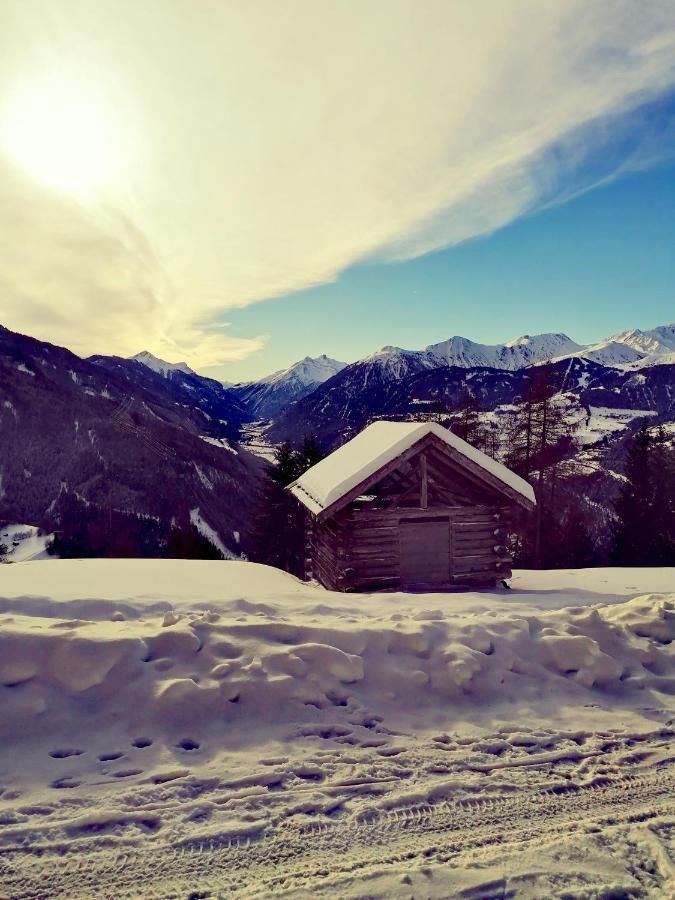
column 429, row 471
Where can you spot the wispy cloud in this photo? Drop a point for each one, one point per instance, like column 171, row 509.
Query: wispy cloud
column 270, row 146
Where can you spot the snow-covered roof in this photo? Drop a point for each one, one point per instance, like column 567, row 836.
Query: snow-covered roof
column 377, row 445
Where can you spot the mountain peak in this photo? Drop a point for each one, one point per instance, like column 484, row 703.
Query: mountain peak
column 274, row 392
column 161, row 366
column 389, row 350
column 311, row 369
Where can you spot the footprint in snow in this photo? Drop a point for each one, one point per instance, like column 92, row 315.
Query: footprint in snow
column 142, row 742
column 64, row 753
column 36, row 810
column 65, row 783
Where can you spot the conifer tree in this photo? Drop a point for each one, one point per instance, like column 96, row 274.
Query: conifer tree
column 279, row 535
column 466, row 419
column 644, row 534
column 539, row 441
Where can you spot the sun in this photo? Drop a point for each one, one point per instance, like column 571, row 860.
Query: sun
column 63, row 133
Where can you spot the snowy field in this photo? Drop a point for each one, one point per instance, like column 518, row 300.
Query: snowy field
column 205, row 729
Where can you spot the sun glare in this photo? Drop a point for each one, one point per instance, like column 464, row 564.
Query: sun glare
column 62, row 133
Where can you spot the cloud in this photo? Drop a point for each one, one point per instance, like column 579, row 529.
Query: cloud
column 89, row 279
column 271, row 146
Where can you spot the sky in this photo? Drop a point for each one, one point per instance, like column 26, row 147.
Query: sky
column 239, row 185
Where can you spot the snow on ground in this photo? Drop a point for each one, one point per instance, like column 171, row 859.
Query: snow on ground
column 179, row 728
column 223, row 443
column 209, row 533
column 603, row 421
column 23, row 543
column 590, row 425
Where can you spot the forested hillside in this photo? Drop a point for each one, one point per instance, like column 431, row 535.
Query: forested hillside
column 76, row 432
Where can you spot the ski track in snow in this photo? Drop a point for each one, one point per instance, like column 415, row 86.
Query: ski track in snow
column 606, row 801
column 204, row 730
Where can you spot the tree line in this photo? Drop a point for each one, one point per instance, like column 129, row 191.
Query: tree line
column 84, row 530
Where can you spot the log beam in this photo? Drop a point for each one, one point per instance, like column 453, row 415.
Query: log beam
column 424, row 482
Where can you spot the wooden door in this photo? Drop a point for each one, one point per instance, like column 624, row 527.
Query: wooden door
column 424, row 551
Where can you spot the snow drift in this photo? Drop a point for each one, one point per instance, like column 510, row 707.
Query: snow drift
column 223, row 645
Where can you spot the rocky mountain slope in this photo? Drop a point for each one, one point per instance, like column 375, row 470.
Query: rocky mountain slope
column 118, row 437
column 656, row 340
column 214, row 410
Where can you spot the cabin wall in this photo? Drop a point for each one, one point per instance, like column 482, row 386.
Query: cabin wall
column 478, row 550
column 327, row 546
column 360, row 549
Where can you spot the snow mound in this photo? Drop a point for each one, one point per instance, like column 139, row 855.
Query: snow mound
column 279, row 651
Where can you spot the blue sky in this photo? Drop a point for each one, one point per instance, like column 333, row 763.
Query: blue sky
column 258, row 182
column 599, row 263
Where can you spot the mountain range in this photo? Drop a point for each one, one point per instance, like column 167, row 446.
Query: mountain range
column 155, row 439
column 526, row 350
column 398, row 382
column 268, row 397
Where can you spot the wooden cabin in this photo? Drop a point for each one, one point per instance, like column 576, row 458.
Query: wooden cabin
column 409, row 505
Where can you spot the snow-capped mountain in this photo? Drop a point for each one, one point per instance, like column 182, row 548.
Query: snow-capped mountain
column 514, row 354
column 365, row 391
column 629, row 348
column 268, row 396
column 161, row 366
column 308, row 371
column 394, row 363
column 527, row 350
column 655, row 341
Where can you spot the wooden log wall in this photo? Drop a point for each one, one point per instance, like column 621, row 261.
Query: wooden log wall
column 360, row 550
column 329, row 553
